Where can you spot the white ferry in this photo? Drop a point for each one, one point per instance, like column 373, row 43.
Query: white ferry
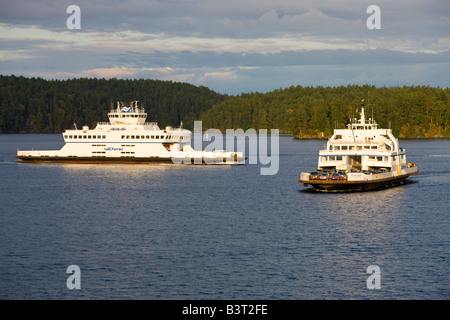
column 362, row 157
column 127, row 138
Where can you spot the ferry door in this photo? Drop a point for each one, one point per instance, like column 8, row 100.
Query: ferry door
column 355, row 161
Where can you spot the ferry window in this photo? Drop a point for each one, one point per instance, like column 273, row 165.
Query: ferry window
column 137, row 137
column 351, row 148
column 84, row 137
column 379, row 158
column 337, row 148
column 344, row 147
column 338, row 137
column 358, row 147
column 373, row 147
column 103, row 137
column 147, row 137
column 385, row 158
column 74, row 137
column 94, row 137
column 371, row 158
column 89, row 137
column 338, row 158
column 366, row 147
column 70, row 137
column 331, row 147
column 132, row 137
column 80, row 137
column 324, row 158
column 332, row 158
column 153, row 137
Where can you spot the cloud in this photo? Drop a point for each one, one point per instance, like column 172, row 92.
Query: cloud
column 229, row 45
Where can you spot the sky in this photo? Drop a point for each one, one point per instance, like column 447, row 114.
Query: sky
column 230, row 46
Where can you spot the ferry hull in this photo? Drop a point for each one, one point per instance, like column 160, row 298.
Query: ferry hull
column 128, row 160
column 352, row 186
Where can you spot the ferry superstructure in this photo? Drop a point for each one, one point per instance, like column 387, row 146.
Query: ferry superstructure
column 128, row 138
column 361, row 157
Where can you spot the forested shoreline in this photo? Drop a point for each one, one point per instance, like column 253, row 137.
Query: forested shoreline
column 313, row 112
column 35, row 105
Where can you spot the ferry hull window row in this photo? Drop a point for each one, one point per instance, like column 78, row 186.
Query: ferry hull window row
column 84, row 137
column 128, row 115
column 124, row 137
column 353, row 147
column 340, row 158
column 78, row 137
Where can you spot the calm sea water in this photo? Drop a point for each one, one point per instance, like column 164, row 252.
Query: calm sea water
column 219, row 232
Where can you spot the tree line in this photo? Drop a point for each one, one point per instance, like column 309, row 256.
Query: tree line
column 313, row 112
column 35, row 105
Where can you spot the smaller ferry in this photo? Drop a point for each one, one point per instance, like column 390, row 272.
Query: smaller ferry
column 360, row 158
column 128, row 138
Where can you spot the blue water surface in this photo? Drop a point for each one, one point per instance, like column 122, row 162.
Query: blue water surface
column 219, row 232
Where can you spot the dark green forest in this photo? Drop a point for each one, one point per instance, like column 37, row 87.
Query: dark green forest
column 313, row 112
column 35, row 105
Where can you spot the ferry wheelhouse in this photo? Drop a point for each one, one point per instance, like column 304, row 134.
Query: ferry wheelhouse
column 361, row 157
column 128, row 138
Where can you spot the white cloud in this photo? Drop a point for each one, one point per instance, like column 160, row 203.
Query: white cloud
column 234, row 43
